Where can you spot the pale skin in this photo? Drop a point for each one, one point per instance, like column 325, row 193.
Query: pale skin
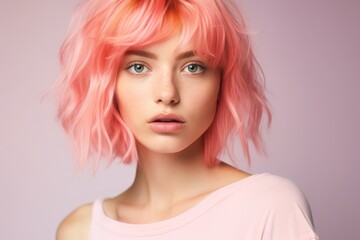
column 162, row 79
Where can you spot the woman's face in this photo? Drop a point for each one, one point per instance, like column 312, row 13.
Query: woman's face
column 167, row 96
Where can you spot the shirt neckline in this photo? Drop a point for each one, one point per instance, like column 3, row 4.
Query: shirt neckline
column 148, row 229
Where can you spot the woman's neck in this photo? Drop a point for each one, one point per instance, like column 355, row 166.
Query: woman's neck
column 165, row 179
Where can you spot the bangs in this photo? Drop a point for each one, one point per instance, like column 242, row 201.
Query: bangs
column 136, row 24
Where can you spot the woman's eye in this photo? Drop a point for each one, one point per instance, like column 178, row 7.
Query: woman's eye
column 194, row 68
column 137, row 68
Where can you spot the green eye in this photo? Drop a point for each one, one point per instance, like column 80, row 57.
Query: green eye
column 137, row 68
column 194, row 68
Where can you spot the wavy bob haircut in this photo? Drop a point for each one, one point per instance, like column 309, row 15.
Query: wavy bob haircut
column 101, row 32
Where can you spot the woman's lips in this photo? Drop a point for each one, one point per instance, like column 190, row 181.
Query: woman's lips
column 166, row 123
column 166, row 117
column 166, row 127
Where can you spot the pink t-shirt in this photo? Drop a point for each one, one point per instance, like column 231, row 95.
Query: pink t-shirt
column 262, row 206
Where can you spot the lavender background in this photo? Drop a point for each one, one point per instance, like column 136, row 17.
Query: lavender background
column 309, row 51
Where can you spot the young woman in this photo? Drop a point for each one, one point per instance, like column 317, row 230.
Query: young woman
column 166, row 84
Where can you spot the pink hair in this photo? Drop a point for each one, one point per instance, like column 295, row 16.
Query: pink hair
column 102, row 31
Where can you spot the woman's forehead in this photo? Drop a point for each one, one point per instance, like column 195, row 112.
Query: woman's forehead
column 173, row 46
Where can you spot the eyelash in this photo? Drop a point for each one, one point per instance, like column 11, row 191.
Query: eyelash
column 196, row 64
column 133, row 65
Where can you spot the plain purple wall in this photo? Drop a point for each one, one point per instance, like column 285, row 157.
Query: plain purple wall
column 309, row 51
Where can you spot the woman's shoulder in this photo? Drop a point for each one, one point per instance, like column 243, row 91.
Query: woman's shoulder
column 76, row 225
column 268, row 190
column 265, row 189
column 279, row 189
column 278, row 198
column 286, row 206
column 263, row 184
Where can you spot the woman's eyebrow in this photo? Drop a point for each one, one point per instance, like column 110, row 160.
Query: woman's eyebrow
column 141, row 53
column 186, row 54
column 151, row 55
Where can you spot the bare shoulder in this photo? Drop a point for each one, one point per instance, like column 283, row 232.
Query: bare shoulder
column 76, row 225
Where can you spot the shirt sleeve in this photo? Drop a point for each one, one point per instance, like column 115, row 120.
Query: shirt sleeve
column 289, row 216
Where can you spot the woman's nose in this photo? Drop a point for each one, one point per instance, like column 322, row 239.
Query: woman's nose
column 165, row 90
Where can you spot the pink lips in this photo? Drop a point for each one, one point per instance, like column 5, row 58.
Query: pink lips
column 166, row 123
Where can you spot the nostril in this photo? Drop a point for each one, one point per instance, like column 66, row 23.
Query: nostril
column 168, row 99
column 166, row 89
